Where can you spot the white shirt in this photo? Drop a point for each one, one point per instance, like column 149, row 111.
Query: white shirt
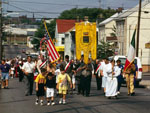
column 29, row 67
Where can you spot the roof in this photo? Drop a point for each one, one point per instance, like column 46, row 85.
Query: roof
column 109, row 19
column 134, row 9
column 64, row 25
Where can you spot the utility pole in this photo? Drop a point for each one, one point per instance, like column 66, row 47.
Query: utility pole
column 1, row 30
column 99, row 4
column 138, row 29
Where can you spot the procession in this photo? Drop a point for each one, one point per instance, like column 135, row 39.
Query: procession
column 74, row 56
column 65, row 77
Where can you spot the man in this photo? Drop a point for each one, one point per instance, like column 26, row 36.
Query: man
column 120, row 77
column 130, row 73
column 79, row 76
column 4, row 71
column 28, row 69
column 111, row 84
column 103, row 73
column 97, row 74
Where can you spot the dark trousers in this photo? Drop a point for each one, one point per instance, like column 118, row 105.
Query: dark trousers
column 21, row 75
column 29, row 83
column 98, row 82
column 86, row 85
column 120, row 80
column 78, row 79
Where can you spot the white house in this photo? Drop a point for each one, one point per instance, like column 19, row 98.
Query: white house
column 126, row 24
column 63, row 36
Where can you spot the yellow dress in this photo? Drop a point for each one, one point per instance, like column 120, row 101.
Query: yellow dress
column 62, row 81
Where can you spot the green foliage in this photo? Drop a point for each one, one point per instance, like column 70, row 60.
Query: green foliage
column 104, row 50
column 41, row 31
column 113, row 34
column 92, row 13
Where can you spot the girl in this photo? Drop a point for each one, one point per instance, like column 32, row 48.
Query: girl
column 62, row 84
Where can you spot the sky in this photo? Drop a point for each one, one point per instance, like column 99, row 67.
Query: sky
column 53, row 8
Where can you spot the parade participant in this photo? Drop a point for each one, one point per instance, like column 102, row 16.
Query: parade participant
column 50, row 86
column 120, row 77
column 111, row 83
column 79, row 77
column 130, row 73
column 28, row 69
column 12, row 71
column 68, row 65
column 103, row 73
column 20, row 72
column 4, row 71
column 62, row 84
column 40, row 83
column 87, row 74
column 39, row 62
column 97, row 74
column 51, row 68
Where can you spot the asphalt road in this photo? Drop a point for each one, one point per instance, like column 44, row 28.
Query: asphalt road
column 13, row 101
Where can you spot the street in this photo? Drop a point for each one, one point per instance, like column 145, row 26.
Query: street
column 13, row 101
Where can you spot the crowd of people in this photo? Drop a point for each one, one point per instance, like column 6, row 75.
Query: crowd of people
column 65, row 76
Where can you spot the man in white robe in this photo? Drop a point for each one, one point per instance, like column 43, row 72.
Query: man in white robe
column 103, row 70
column 111, row 83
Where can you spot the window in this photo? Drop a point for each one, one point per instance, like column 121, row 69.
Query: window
column 63, row 41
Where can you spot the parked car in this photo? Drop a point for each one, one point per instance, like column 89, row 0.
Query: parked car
column 136, row 61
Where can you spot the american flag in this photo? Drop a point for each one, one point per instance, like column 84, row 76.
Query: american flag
column 52, row 52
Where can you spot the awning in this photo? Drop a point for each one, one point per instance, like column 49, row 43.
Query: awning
column 59, row 48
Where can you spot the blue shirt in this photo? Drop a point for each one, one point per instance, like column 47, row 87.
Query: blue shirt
column 5, row 68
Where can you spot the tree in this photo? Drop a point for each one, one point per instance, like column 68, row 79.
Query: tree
column 41, row 31
column 104, row 50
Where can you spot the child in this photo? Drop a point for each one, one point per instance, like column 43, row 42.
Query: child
column 12, row 69
column 40, row 82
column 62, row 84
column 50, row 85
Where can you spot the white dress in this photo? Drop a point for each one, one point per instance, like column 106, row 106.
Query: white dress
column 111, row 83
column 104, row 69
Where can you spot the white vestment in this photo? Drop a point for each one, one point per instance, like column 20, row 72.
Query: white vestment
column 104, row 78
column 111, row 83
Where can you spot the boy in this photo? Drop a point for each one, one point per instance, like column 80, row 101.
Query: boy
column 50, row 86
column 62, row 84
column 40, row 82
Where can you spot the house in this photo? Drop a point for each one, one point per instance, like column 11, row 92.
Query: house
column 125, row 26
column 63, row 36
column 107, row 31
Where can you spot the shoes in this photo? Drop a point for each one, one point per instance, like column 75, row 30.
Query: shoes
column 53, row 103
column 36, row 103
column 64, row 101
column 109, row 97
column 133, row 94
column 26, row 94
column 48, row 104
column 6, row 87
column 118, row 92
column 41, row 103
column 60, row 101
